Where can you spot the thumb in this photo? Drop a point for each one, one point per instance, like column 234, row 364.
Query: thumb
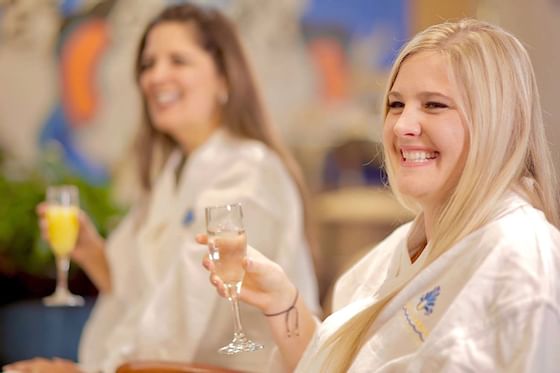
column 83, row 217
column 41, row 208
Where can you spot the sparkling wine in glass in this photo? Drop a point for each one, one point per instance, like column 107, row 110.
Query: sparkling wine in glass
column 62, row 226
column 227, row 245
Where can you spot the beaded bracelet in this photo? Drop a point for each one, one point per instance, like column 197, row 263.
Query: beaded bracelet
column 287, row 311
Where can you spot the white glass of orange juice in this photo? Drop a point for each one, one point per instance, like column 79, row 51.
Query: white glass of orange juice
column 62, row 227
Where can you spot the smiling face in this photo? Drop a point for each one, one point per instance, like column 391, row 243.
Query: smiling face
column 424, row 133
column 180, row 84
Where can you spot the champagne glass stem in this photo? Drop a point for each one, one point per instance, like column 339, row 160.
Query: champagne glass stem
column 62, row 266
column 234, row 301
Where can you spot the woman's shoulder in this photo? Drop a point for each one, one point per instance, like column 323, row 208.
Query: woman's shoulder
column 245, row 148
column 511, row 291
column 527, row 234
column 235, row 156
column 253, row 158
column 235, row 167
column 519, row 231
column 524, row 258
column 241, row 155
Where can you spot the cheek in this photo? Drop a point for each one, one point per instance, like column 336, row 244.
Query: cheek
column 144, row 92
column 458, row 145
column 388, row 134
column 457, row 149
column 203, row 103
column 143, row 82
column 202, row 87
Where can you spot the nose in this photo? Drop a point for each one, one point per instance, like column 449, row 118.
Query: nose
column 408, row 123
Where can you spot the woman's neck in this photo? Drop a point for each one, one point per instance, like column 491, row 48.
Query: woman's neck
column 416, row 242
column 189, row 142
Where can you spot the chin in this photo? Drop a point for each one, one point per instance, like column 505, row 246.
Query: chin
column 416, row 193
column 164, row 127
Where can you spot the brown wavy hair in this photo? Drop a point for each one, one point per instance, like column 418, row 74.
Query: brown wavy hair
column 243, row 114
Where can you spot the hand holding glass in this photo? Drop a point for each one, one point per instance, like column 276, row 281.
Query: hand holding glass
column 227, row 244
column 62, row 226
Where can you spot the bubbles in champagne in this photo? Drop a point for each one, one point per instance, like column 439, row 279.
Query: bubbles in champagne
column 227, row 250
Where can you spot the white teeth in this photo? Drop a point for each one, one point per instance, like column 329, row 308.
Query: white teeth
column 166, row 97
column 418, row 156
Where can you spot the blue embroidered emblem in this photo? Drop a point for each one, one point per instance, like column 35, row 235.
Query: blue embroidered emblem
column 188, row 218
column 428, row 301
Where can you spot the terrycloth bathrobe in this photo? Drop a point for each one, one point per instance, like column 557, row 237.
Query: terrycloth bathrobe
column 162, row 305
column 491, row 303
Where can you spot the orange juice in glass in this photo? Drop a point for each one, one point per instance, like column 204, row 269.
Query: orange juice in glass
column 62, row 229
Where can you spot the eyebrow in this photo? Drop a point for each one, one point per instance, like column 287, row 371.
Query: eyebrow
column 423, row 95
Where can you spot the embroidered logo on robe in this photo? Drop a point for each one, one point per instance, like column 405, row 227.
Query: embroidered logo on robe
column 428, row 301
column 415, row 316
column 188, row 218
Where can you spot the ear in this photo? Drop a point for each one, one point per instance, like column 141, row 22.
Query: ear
column 223, row 97
column 223, row 94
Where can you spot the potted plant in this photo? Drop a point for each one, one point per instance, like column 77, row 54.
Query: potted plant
column 27, row 267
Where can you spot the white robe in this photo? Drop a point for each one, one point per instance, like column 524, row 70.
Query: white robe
column 491, row 303
column 162, row 305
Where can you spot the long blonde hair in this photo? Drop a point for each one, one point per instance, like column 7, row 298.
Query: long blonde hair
column 507, row 148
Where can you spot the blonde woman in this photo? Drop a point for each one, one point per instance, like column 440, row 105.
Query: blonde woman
column 473, row 283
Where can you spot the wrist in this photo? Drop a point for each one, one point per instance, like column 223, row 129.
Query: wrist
column 282, row 301
column 290, row 316
column 288, row 309
column 96, row 266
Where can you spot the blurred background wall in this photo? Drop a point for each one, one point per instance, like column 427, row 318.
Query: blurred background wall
column 66, row 70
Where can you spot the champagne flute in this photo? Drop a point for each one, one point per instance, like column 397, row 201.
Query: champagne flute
column 227, row 245
column 62, row 226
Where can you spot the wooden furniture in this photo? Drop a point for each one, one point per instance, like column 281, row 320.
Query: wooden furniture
column 352, row 221
column 170, row 367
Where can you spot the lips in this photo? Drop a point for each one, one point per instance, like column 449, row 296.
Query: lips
column 164, row 98
column 418, row 156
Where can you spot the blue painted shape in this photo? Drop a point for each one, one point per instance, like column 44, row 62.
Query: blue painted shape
column 69, row 7
column 361, row 18
column 57, row 128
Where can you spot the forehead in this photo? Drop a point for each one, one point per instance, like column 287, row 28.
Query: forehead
column 172, row 34
column 426, row 71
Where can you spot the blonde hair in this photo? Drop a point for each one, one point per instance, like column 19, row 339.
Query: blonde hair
column 507, row 148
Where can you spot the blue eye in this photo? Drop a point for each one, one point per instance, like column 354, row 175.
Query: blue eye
column 435, row 105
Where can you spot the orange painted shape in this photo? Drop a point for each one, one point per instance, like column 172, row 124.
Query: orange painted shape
column 329, row 59
column 80, row 57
